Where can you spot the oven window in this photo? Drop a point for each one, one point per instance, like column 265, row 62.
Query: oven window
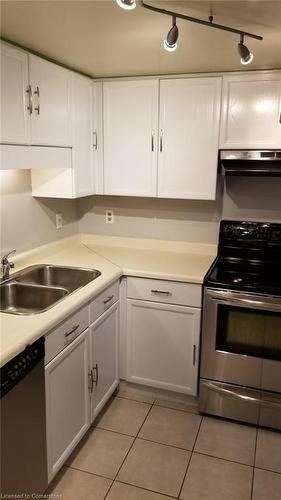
column 249, row 331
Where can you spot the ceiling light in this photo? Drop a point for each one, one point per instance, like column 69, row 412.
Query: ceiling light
column 126, row 4
column 170, row 44
column 245, row 54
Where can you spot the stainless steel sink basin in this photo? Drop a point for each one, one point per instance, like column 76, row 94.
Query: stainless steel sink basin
column 70, row 278
column 37, row 288
column 18, row 298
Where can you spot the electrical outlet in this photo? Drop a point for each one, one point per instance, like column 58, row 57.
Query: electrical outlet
column 109, row 217
column 58, row 221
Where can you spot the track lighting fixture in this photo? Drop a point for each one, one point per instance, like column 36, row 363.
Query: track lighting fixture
column 245, row 54
column 170, row 43
column 126, row 4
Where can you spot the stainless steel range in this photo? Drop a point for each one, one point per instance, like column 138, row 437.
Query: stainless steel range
column 240, row 374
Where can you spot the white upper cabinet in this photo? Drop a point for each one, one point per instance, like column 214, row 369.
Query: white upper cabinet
column 97, row 138
column 80, row 179
column 82, row 136
column 51, row 95
column 251, row 111
column 130, row 137
column 189, row 136
column 15, row 96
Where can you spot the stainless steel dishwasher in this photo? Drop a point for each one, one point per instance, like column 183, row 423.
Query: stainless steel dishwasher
column 23, row 423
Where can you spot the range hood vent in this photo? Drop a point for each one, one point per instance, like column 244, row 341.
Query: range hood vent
column 266, row 163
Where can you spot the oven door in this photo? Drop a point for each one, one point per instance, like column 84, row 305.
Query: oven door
column 241, row 338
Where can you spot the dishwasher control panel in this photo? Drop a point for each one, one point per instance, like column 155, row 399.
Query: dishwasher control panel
column 16, row 369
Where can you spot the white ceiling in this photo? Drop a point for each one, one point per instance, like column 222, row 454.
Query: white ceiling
column 100, row 39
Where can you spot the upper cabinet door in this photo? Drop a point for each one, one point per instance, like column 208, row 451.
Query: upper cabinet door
column 130, row 137
column 82, row 152
column 189, row 134
column 51, row 91
column 15, row 96
column 251, row 111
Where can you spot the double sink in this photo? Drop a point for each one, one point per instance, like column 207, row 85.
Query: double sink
column 37, row 288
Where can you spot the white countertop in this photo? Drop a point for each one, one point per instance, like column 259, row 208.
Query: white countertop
column 114, row 257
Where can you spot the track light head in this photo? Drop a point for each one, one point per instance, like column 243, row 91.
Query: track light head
column 126, row 4
column 245, row 55
column 170, row 44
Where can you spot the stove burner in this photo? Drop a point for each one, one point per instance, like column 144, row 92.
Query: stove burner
column 249, row 258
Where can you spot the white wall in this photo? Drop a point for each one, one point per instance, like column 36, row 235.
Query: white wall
column 197, row 221
column 151, row 218
column 252, row 198
column 27, row 222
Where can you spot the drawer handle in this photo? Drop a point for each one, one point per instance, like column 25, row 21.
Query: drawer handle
column 108, row 299
column 161, row 292
column 75, row 327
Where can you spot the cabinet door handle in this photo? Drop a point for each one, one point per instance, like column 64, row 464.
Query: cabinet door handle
column 152, row 140
column 37, row 93
column 74, row 328
column 30, row 104
column 95, row 143
column 161, row 140
column 280, row 117
column 96, row 369
column 108, row 299
column 161, row 292
column 91, row 381
column 194, row 354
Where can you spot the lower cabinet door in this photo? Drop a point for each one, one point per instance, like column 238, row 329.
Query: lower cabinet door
column 104, row 348
column 67, row 401
column 162, row 345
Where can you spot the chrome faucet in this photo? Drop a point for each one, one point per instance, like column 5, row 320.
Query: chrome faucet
column 6, row 265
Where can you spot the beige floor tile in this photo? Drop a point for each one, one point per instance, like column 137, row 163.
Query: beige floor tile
column 185, row 403
column 172, row 427
column 228, row 440
column 76, row 485
column 136, row 393
column 210, row 478
column 267, row 485
column 154, row 466
column 120, row 491
column 268, row 454
column 101, row 453
column 124, row 415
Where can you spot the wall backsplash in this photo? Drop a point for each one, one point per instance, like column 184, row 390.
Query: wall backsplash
column 186, row 220
column 27, row 222
column 252, row 198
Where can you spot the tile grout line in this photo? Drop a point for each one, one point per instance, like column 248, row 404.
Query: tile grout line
column 253, row 473
column 184, row 477
column 123, row 461
column 146, row 489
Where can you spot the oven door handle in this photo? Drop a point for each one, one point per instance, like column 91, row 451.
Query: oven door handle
column 269, row 304
column 241, row 397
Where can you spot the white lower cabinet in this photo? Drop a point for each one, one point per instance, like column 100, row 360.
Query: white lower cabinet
column 67, row 401
column 104, row 340
column 81, row 373
column 162, row 337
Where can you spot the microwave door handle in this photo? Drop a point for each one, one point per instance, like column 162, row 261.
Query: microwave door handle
column 228, row 298
column 241, row 397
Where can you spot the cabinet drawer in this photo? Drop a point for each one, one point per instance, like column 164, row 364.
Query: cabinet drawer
column 65, row 333
column 171, row 292
column 103, row 301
